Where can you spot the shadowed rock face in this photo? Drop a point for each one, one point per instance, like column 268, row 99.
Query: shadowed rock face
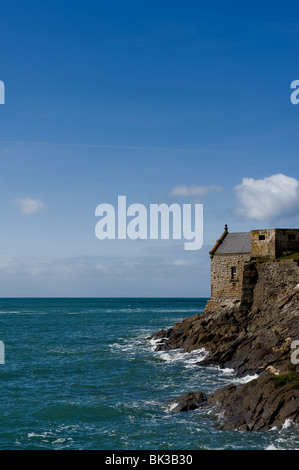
column 258, row 405
column 189, row 401
column 256, row 340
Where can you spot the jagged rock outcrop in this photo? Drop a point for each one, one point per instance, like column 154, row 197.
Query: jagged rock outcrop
column 252, row 337
column 258, row 405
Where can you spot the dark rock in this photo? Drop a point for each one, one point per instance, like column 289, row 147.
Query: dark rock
column 189, row 401
column 259, row 405
column 252, row 338
column 250, row 341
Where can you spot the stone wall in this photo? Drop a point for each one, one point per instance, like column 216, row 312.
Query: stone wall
column 267, row 244
column 223, row 287
column 272, row 243
column 273, row 278
column 255, row 282
column 263, row 248
column 286, row 240
column 250, row 278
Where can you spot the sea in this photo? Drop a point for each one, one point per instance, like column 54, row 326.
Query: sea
column 80, row 373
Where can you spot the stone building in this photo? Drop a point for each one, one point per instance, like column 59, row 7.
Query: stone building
column 232, row 259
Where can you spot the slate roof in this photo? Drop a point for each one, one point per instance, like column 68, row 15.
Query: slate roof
column 235, row 243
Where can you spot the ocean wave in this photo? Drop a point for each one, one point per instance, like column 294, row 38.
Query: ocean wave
column 190, row 359
column 31, row 435
column 75, row 313
column 244, row 380
column 171, row 406
column 4, row 312
column 50, row 437
column 271, row 447
column 152, row 310
column 289, row 423
column 224, row 370
column 155, row 342
column 285, row 438
column 19, row 312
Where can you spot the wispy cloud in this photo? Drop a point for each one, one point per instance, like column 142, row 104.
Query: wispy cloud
column 202, row 150
column 275, row 196
column 38, row 266
column 193, row 191
column 87, row 266
column 104, row 276
column 183, row 262
column 29, row 206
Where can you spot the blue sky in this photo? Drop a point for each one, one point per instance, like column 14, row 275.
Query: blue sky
column 140, row 99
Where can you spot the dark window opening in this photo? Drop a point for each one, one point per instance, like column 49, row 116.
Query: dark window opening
column 291, row 236
column 234, row 272
column 262, row 237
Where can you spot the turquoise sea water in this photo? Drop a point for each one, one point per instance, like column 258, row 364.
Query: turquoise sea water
column 80, row 374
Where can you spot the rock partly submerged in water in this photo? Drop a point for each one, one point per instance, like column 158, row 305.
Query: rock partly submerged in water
column 259, row 405
column 189, row 402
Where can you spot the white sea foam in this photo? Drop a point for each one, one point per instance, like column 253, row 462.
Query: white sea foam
column 244, row 380
column 172, row 406
column 189, row 359
column 60, row 440
column 75, row 313
column 196, row 357
column 155, row 342
column 231, row 372
column 33, row 313
column 3, row 312
column 226, row 370
column 288, row 424
column 44, row 434
column 271, row 447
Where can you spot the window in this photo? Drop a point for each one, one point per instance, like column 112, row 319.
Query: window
column 262, row 237
column 234, row 272
column 292, row 236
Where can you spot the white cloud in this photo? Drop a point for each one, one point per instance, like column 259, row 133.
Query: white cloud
column 191, row 191
column 29, row 206
column 182, row 262
column 276, row 196
column 92, row 266
column 104, row 276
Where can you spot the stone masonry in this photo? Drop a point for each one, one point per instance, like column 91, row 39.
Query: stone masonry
column 233, row 274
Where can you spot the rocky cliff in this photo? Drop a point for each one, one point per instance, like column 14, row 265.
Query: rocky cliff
column 253, row 336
